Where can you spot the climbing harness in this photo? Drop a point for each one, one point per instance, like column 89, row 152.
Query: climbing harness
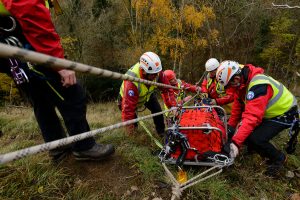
column 16, row 70
column 293, row 130
column 12, row 27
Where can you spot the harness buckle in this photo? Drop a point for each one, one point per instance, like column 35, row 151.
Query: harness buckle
column 17, row 73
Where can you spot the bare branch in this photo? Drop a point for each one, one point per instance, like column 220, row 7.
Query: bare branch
column 236, row 27
column 284, row 6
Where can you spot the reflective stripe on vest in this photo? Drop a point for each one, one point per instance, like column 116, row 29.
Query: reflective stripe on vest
column 143, row 90
column 3, row 10
column 178, row 96
column 282, row 99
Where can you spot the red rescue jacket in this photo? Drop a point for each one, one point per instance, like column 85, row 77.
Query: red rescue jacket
column 213, row 94
column 249, row 115
column 35, row 21
column 130, row 99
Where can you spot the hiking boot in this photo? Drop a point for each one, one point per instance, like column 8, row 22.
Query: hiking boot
column 97, row 152
column 275, row 167
column 59, row 153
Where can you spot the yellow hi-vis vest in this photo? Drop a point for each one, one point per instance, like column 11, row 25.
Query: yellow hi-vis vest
column 219, row 88
column 144, row 91
column 282, row 99
column 178, row 96
column 3, row 10
column 220, row 91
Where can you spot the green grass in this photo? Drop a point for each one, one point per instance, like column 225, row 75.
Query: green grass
column 36, row 177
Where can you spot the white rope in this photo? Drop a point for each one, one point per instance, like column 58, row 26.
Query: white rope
column 4, row 158
column 58, row 63
column 178, row 188
column 284, row 6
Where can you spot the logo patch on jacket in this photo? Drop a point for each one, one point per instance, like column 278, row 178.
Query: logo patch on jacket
column 257, row 91
column 250, row 95
column 131, row 93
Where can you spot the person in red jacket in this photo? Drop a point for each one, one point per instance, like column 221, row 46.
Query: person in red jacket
column 262, row 108
column 171, row 76
column 134, row 95
column 27, row 24
column 215, row 92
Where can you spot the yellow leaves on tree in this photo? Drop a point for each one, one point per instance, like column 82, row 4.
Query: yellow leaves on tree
column 162, row 12
column 162, row 27
column 8, row 90
column 193, row 17
column 213, row 35
column 69, row 44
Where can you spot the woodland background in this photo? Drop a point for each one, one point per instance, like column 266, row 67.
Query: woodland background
column 112, row 34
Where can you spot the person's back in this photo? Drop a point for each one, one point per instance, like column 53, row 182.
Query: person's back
column 134, row 95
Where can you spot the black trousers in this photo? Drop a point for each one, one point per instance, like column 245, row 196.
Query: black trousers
column 154, row 106
column 72, row 109
column 45, row 100
column 259, row 139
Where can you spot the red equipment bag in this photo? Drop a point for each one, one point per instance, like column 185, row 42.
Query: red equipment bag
column 203, row 140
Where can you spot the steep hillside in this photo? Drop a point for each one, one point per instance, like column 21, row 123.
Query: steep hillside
column 132, row 173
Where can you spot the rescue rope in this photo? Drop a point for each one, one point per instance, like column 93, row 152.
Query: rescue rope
column 8, row 51
column 4, row 158
column 178, row 188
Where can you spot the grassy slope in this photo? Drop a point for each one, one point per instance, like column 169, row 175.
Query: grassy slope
column 36, row 177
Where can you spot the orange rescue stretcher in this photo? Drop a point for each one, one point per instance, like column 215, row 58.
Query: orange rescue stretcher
column 196, row 137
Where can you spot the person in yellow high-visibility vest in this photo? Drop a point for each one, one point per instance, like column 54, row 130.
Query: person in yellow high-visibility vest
column 263, row 106
column 215, row 92
column 27, row 24
column 134, row 95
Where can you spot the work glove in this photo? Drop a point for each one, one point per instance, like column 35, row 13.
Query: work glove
column 231, row 150
column 234, row 151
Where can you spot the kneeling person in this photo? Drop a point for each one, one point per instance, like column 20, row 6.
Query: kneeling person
column 135, row 95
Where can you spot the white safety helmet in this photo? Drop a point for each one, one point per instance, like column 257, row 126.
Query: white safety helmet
column 150, row 62
column 211, row 64
column 225, row 72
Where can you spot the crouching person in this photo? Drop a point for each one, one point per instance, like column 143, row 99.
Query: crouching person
column 136, row 95
column 263, row 106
